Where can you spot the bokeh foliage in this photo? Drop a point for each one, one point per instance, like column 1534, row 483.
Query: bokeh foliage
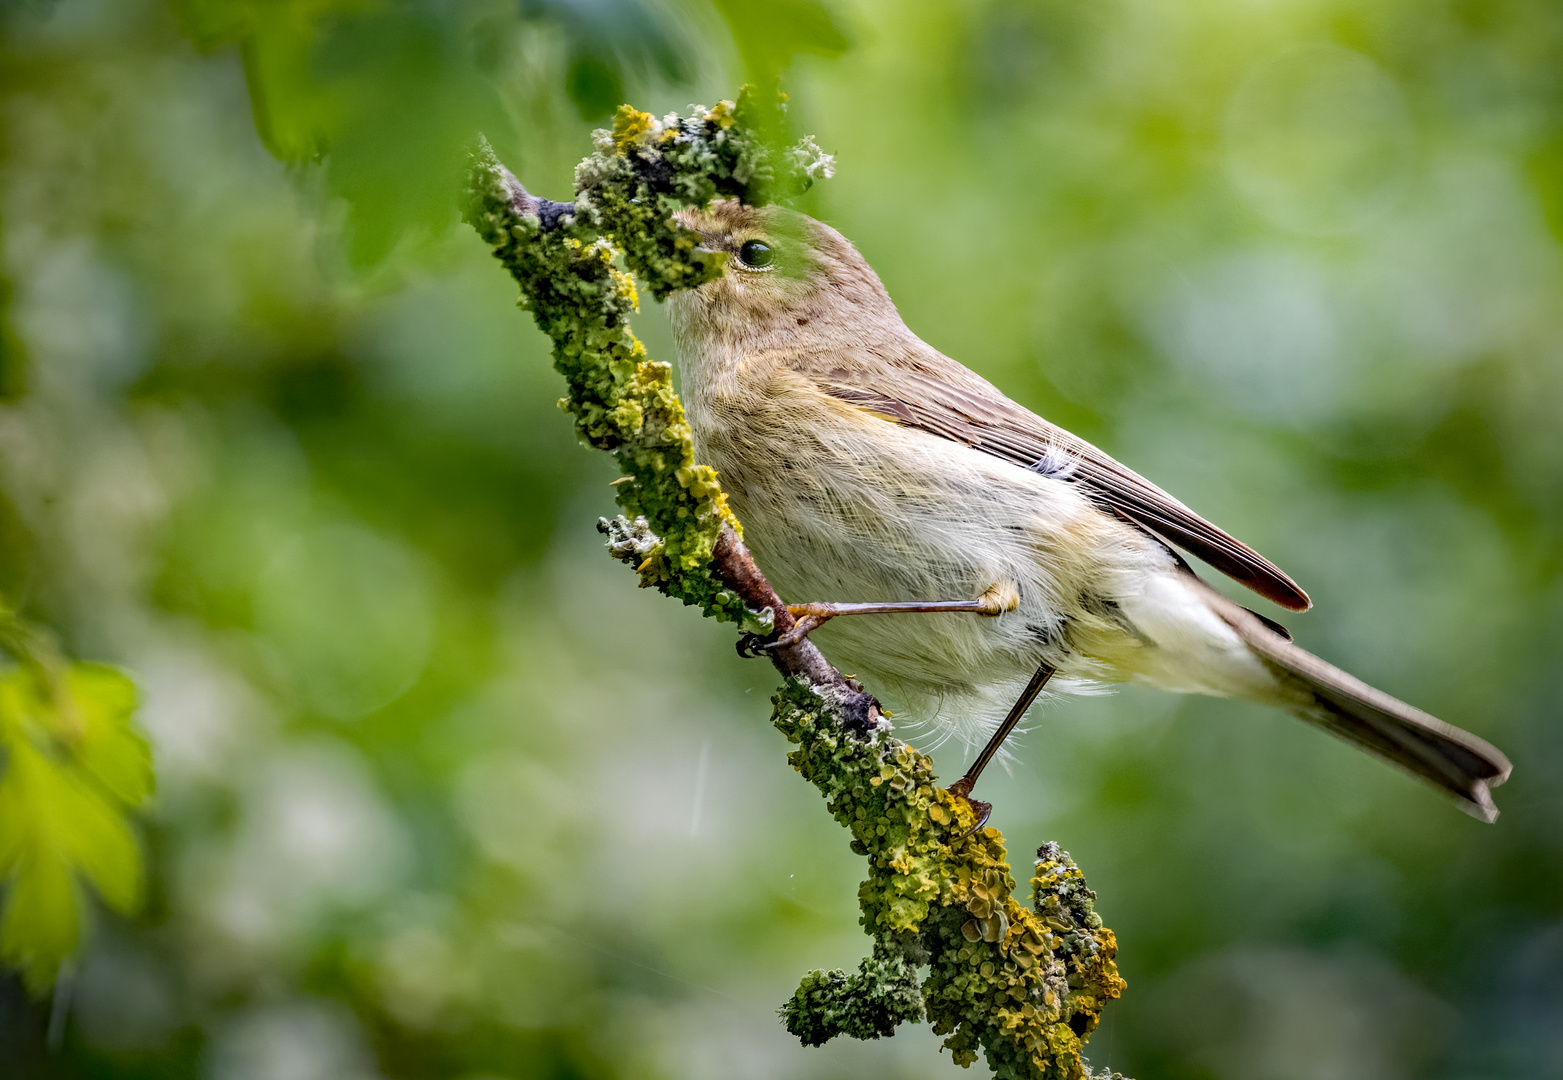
column 275, row 440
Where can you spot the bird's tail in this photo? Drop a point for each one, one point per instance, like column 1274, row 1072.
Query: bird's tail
column 1458, row 763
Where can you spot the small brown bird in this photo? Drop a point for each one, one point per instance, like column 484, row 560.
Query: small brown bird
column 875, row 475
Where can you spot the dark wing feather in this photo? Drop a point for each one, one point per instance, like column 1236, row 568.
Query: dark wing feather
column 956, row 404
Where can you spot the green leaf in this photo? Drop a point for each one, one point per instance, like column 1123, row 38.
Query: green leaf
column 386, row 95
column 771, row 33
column 41, row 926
column 110, row 750
column 72, row 766
column 276, row 40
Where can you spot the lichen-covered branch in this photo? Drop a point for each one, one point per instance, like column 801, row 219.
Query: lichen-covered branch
column 1024, row 984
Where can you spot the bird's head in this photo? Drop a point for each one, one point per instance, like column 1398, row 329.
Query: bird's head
column 784, row 271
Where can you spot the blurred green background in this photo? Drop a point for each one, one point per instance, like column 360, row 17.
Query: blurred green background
column 441, row 795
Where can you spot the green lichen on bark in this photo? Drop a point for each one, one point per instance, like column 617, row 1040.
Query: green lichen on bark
column 1024, row 985
column 1027, row 985
column 622, row 401
column 871, row 1003
column 646, row 169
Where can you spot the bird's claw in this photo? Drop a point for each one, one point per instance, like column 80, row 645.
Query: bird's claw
column 809, row 618
column 961, row 789
column 752, row 645
column 810, row 622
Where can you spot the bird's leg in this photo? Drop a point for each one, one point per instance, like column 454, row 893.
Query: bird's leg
column 995, row 601
column 961, row 789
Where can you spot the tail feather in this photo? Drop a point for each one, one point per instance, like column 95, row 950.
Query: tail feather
column 1460, row 764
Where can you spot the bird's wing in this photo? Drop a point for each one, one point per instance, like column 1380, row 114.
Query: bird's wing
column 939, row 396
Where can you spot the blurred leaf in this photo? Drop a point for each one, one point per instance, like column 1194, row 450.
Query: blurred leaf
column 109, row 749
column 404, row 99
column 771, row 33
column 387, row 95
column 594, row 84
column 40, row 927
column 72, row 767
column 276, row 41
column 606, row 40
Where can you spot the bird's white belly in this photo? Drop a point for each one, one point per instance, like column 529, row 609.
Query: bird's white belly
column 912, row 517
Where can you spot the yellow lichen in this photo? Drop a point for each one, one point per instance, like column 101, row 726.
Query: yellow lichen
column 630, row 127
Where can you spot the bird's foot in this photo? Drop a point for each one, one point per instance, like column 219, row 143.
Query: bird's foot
column 809, row 618
column 961, row 789
column 752, row 645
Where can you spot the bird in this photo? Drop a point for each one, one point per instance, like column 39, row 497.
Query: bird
column 968, row 556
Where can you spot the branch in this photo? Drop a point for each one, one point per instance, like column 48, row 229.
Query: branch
column 1026, row 985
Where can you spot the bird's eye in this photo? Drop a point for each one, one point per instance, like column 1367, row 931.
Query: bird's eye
column 756, row 253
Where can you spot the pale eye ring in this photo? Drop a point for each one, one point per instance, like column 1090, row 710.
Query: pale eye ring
column 756, row 254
